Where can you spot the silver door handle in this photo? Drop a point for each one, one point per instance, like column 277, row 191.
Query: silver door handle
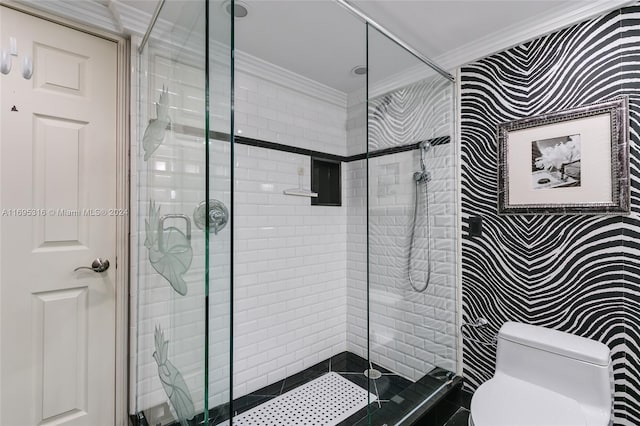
column 98, row 265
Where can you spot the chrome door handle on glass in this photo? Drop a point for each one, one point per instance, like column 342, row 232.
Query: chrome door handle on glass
column 98, row 265
column 218, row 215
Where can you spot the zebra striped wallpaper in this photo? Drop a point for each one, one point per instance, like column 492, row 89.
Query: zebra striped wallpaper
column 575, row 273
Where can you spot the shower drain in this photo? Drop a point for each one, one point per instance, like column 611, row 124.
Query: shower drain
column 372, row 373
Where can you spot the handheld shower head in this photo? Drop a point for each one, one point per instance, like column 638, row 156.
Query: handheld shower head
column 424, row 146
column 421, row 180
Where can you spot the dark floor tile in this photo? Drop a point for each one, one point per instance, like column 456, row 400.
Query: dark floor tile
column 272, row 389
column 360, row 380
column 217, row 415
column 460, row 418
column 247, row 402
column 430, row 382
column 388, row 386
column 346, row 362
column 440, row 374
column 361, row 416
column 404, row 403
column 464, row 399
column 397, row 395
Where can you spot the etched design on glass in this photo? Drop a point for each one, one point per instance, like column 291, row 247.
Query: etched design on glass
column 170, row 251
column 155, row 131
column 172, row 381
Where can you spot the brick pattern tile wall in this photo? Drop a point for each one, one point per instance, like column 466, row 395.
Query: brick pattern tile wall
column 300, row 270
column 410, row 331
column 290, row 273
column 290, row 258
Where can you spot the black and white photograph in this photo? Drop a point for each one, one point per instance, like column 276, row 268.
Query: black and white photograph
column 555, row 162
column 540, row 161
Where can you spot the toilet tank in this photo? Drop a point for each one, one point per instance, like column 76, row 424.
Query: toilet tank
column 576, row 367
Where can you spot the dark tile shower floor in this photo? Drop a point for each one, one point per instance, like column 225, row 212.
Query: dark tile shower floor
column 396, row 395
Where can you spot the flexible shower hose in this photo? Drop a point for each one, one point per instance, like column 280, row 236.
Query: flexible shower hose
column 413, row 237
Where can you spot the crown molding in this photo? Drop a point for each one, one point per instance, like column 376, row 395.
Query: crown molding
column 101, row 14
column 553, row 20
column 89, row 13
column 402, row 79
column 134, row 22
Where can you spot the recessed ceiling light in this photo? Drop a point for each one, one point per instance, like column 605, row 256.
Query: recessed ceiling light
column 240, row 10
column 359, row 70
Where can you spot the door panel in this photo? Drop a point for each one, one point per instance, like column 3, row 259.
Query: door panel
column 57, row 186
column 60, row 343
column 64, row 72
column 59, row 147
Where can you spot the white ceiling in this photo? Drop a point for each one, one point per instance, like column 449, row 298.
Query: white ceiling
column 322, row 41
column 437, row 26
column 317, row 39
column 454, row 32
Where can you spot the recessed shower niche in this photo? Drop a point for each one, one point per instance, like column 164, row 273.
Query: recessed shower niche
column 247, row 298
column 326, row 180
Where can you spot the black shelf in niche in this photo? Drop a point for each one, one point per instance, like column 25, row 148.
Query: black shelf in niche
column 326, row 180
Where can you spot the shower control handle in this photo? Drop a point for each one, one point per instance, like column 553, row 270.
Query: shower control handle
column 98, row 265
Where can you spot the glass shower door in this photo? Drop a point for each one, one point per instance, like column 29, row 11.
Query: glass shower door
column 411, row 227
column 182, row 189
column 219, row 205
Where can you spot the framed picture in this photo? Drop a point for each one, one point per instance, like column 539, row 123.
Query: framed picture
column 568, row 162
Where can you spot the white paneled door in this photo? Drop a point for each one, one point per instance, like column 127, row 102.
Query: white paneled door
column 57, row 199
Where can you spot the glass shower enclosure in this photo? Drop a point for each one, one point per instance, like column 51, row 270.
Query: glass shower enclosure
column 294, row 219
column 184, row 199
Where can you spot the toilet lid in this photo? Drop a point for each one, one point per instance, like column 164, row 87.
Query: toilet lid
column 507, row 401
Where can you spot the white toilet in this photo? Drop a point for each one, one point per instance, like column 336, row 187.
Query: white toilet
column 545, row 377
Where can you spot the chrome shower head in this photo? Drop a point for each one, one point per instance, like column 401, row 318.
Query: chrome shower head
column 424, row 146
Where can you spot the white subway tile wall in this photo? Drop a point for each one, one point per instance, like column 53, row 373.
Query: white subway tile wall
column 300, row 271
column 290, row 272
column 357, row 122
column 356, row 203
column 411, row 332
column 290, row 259
column 274, row 112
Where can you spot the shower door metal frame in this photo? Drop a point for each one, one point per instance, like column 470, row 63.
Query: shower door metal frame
column 123, row 143
column 415, row 52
